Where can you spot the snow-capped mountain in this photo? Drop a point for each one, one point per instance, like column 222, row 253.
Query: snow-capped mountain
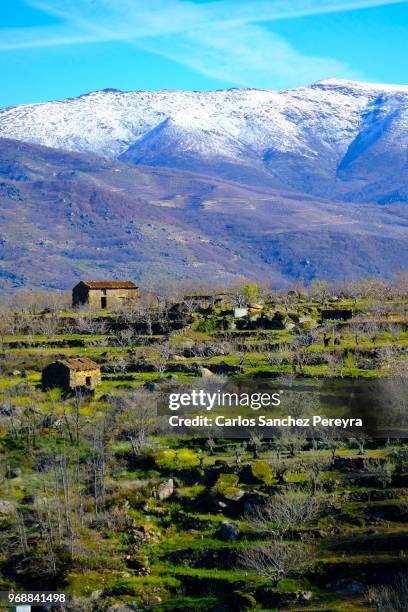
column 205, row 186
column 335, row 138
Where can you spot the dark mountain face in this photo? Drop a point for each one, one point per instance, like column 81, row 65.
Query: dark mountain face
column 66, row 215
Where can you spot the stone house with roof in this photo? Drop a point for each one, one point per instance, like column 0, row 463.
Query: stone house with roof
column 73, row 373
column 103, row 294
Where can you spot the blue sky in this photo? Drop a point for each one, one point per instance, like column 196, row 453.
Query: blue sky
column 52, row 49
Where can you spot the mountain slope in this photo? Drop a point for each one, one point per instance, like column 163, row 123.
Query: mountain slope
column 66, row 215
column 337, row 139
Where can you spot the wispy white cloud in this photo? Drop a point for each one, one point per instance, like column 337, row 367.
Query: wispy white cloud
column 249, row 56
column 226, row 39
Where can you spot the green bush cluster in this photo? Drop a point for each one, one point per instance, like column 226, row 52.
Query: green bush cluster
column 226, row 484
column 180, row 459
column 262, row 471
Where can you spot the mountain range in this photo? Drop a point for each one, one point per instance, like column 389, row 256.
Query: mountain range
column 210, row 186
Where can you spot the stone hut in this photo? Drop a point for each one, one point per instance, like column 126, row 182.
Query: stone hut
column 72, row 374
column 337, row 314
column 103, row 294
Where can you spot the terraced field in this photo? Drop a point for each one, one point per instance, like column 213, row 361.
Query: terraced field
column 102, row 500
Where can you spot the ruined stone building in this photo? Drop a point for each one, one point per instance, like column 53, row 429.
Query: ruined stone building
column 103, row 294
column 71, row 374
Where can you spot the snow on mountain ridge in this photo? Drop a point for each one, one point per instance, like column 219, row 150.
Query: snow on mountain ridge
column 107, row 122
column 343, row 83
column 315, row 131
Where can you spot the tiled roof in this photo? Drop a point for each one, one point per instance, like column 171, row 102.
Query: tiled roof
column 80, row 363
column 110, row 284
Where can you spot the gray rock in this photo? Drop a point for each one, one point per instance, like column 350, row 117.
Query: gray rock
column 7, row 507
column 229, row 531
column 14, row 473
column 304, row 595
column 165, row 489
column 150, row 386
column 234, row 495
column 204, row 373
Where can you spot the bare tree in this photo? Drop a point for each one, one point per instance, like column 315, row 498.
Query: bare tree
column 391, row 598
column 239, row 298
column 314, row 465
column 161, row 357
column 277, row 559
column 211, row 445
column 359, row 440
column 320, row 290
column 331, row 439
column 124, row 337
column 120, row 364
column 136, row 421
column 88, row 324
column 293, row 439
column 382, row 471
column 285, row 512
column 22, row 533
column 6, row 325
column 256, row 443
column 139, row 432
column 402, row 283
column 48, row 325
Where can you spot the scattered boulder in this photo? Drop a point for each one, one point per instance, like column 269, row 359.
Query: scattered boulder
column 165, row 489
column 304, row 595
column 7, row 507
column 234, row 494
column 150, row 385
column 155, row 600
column 204, row 373
column 306, row 323
column 178, row 358
column 229, row 531
column 13, row 473
column 226, row 368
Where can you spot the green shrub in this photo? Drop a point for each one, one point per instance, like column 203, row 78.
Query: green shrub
column 262, row 471
column 180, row 459
column 243, row 601
column 226, row 484
column 251, row 292
column 207, row 326
column 191, row 492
